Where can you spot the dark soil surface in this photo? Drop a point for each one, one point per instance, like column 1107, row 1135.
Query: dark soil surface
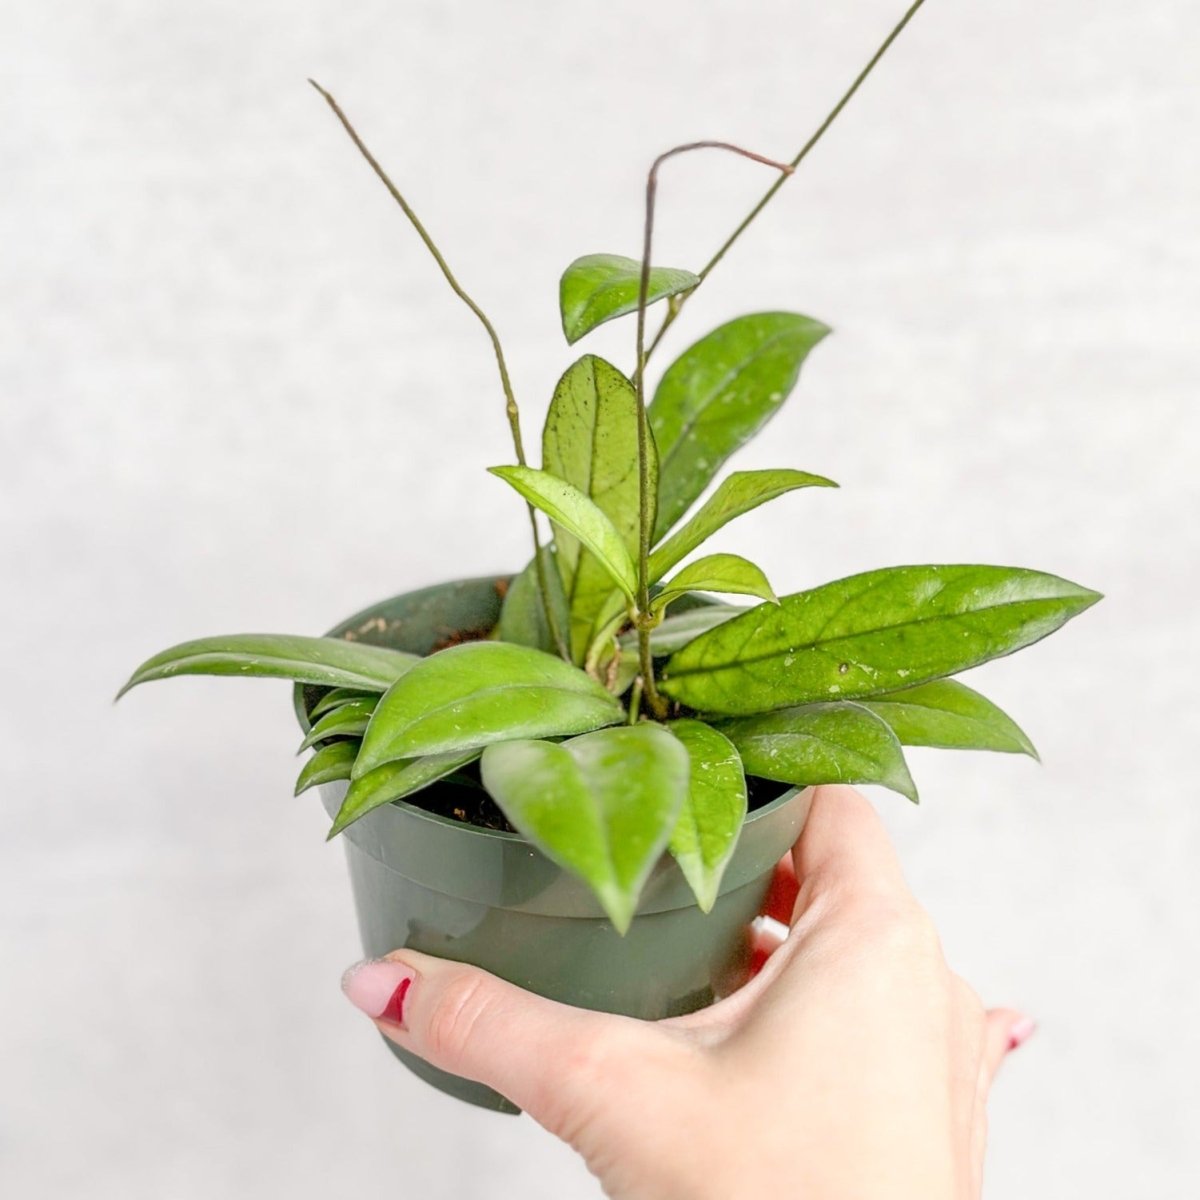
column 461, row 797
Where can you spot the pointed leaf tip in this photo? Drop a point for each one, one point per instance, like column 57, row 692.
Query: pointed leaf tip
column 599, row 287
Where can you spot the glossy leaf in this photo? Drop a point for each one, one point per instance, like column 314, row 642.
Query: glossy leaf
column 821, row 743
column 717, row 395
column 679, row 629
column 347, row 720
column 336, row 696
column 710, row 820
column 602, row 806
column 590, row 441
column 329, row 764
column 318, row 660
column 523, row 616
column 567, row 506
column 740, row 493
column 950, row 716
column 726, row 573
column 481, row 692
column 869, row 634
column 598, row 287
column 395, row 781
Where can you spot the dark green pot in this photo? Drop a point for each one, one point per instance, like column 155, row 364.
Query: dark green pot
column 489, row 898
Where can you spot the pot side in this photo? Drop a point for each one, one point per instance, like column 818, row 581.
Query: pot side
column 489, row 898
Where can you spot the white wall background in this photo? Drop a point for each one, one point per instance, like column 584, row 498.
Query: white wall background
column 236, row 395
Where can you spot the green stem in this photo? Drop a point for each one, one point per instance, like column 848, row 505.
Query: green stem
column 510, row 400
column 833, row 114
column 654, row 701
column 635, row 702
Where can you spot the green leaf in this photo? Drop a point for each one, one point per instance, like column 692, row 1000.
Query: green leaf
column 740, row 493
column 590, row 441
column 481, row 692
column 950, row 716
column 329, row 764
column 717, row 395
column 567, row 506
column 713, row 811
column 394, row 781
column 602, row 806
column 870, row 634
column 523, row 616
column 598, row 287
column 728, row 573
column 679, row 629
column 335, row 697
column 317, row 660
column 821, row 743
column 347, row 720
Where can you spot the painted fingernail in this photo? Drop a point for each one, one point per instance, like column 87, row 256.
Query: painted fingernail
column 378, row 987
column 1021, row 1032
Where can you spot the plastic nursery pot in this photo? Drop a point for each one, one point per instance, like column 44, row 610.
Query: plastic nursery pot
column 489, row 898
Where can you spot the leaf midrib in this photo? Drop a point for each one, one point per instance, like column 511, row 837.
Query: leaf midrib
column 687, row 427
column 802, row 647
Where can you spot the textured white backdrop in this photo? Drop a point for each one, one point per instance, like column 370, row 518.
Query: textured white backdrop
column 236, row 395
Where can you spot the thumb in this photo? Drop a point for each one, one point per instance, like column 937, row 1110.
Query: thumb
column 554, row 1061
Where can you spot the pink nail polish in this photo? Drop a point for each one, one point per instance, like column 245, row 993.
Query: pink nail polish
column 378, row 987
column 1021, row 1032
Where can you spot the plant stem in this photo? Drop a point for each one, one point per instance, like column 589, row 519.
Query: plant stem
column 510, row 400
column 654, row 701
column 833, row 114
column 635, row 702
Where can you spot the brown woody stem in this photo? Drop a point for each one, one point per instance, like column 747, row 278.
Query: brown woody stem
column 510, row 400
column 654, row 702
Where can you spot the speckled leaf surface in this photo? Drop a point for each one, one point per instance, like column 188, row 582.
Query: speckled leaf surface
column 869, row 634
column 598, row 287
column 821, row 743
column 717, row 395
column 481, row 692
column 711, row 817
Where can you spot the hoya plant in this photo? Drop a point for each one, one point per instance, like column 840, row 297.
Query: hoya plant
column 617, row 711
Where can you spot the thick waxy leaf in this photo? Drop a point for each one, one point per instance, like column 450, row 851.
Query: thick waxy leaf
column 727, row 573
column 394, row 781
column 567, row 506
column 951, row 716
column 318, row 660
column 523, row 615
column 717, row 395
column 710, row 820
column 330, row 763
column 870, row 634
column 678, row 630
column 598, row 287
column 481, row 692
column 338, row 696
column 741, row 492
column 347, row 720
column 590, row 441
column 602, row 805
column 821, row 743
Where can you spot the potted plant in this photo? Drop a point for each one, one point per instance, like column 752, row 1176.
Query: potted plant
column 581, row 777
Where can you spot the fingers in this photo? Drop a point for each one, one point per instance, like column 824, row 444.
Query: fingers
column 550, row 1059
column 780, row 902
column 1007, row 1029
column 844, row 846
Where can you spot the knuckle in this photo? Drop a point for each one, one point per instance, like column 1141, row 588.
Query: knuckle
column 460, row 1003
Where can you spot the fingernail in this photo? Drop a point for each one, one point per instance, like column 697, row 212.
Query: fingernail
column 1021, row 1032
column 378, row 987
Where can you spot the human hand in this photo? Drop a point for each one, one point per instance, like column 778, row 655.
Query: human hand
column 854, row 1063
